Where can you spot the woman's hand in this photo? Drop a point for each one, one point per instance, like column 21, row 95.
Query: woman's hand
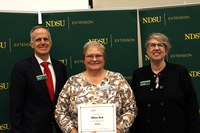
column 74, row 130
column 118, row 131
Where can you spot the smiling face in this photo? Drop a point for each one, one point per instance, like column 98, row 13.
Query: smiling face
column 94, row 56
column 94, row 59
column 157, row 47
column 41, row 42
column 156, row 50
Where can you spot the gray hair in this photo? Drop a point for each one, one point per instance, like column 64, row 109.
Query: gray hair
column 159, row 37
column 93, row 44
column 38, row 27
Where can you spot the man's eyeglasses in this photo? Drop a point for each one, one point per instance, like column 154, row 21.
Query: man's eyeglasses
column 91, row 57
column 153, row 45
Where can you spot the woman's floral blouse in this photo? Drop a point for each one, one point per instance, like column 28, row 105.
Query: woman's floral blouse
column 112, row 89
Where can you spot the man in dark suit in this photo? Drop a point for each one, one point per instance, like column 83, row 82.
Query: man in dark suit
column 31, row 107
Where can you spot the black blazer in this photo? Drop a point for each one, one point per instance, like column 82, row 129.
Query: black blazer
column 31, row 109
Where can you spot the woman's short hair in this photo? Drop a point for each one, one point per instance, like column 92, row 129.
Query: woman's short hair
column 93, row 44
column 159, row 37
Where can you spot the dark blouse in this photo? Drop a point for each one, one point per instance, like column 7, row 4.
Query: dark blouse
column 170, row 108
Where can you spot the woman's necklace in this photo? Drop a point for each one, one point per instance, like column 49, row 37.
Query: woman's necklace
column 157, row 75
column 157, row 81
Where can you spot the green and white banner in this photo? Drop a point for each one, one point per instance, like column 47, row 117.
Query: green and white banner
column 116, row 29
column 181, row 25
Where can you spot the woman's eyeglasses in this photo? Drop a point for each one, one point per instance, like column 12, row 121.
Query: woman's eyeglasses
column 97, row 56
column 153, row 45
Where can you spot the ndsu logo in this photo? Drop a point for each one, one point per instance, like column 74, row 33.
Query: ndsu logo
column 64, row 61
column 194, row 73
column 55, row 23
column 2, row 45
column 192, row 36
column 149, row 20
column 4, row 86
column 100, row 40
column 146, row 58
column 4, row 127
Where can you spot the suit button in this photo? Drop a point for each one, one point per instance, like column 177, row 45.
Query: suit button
column 148, row 121
column 162, row 103
column 164, row 119
column 149, row 105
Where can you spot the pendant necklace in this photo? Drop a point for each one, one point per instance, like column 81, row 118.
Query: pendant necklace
column 157, row 82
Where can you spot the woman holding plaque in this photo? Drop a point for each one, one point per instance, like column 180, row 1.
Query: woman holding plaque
column 95, row 85
column 166, row 98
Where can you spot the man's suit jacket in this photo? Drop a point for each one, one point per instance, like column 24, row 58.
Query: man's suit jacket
column 31, row 108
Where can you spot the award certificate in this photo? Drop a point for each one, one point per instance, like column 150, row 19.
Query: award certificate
column 97, row 117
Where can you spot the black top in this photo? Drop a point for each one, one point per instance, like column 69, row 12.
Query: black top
column 170, row 108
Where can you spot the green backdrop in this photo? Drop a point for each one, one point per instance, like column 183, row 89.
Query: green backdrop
column 14, row 45
column 116, row 29
column 181, row 25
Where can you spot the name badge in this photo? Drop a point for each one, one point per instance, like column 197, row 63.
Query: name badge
column 104, row 87
column 41, row 77
column 145, row 83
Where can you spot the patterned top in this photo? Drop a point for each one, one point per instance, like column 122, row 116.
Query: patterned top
column 112, row 89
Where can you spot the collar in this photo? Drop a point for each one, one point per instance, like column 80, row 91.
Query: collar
column 40, row 60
